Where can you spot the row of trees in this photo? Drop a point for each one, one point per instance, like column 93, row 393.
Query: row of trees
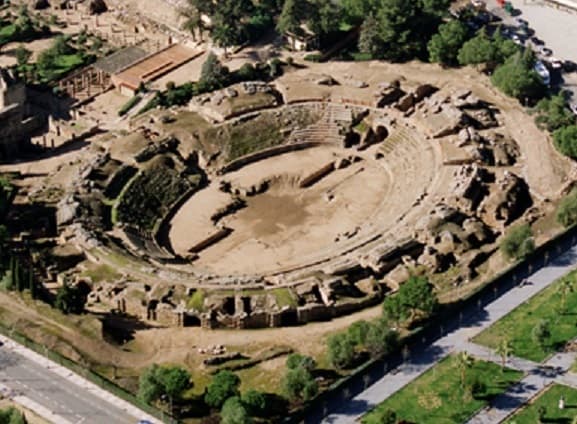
column 396, row 30
column 415, row 300
column 171, row 385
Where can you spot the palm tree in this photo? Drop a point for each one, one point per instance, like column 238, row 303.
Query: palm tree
column 504, row 350
column 564, row 289
column 464, row 362
column 192, row 21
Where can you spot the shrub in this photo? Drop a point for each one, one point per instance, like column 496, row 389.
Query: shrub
column 313, row 57
column 567, row 211
column 518, row 243
column 247, row 72
column 566, row 140
column 129, row 105
column 553, row 113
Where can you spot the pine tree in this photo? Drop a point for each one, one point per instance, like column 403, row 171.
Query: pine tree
column 18, row 280
column 290, row 17
column 32, row 282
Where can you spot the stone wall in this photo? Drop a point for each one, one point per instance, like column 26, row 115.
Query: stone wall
column 265, row 154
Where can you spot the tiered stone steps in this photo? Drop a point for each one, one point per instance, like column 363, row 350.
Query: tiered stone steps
column 331, row 128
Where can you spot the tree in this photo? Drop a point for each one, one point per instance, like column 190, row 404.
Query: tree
column 464, row 363
column 224, row 385
column 60, row 46
column 567, row 211
column 234, row 412
column 354, row 12
column 296, row 360
column 381, row 340
column 541, row 333
column 22, row 55
column 71, row 299
column 357, row 332
column 400, row 29
column 192, row 21
column 553, row 113
column 157, row 382
column 298, row 383
column 291, row 16
column 370, row 41
column 174, row 381
column 149, row 388
column 46, row 60
column 324, row 16
column 517, row 78
column 479, row 50
column 565, row 288
column 393, row 309
column 444, row 46
column 566, row 140
column 12, row 415
column 228, row 18
column 255, row 402
column 417, row 297
column 518, row 242
column 504, row 350
column 341, row 350
column 213, row 74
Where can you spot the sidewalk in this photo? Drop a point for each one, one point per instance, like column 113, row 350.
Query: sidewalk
column 454, row 341
column 538, row 376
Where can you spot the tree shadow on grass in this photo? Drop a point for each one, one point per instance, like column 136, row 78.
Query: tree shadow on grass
column 561, row 420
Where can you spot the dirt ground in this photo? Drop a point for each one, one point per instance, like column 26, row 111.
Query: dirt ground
column 286, row 224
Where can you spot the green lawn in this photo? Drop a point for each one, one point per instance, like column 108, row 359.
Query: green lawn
column 550, row 400
column 518, row 325
column 437, row 396
column 62, row 65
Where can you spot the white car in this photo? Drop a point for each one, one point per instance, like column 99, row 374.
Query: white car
column 573, row 107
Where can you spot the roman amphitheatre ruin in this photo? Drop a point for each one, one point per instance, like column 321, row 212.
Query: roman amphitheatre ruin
column 265, row 205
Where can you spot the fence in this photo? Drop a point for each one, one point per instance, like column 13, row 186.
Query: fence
column 85, row 372
column 449, row 319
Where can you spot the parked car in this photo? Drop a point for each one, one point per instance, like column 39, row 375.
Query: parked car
column 522, row 23
column 573, row 107
column 545, row 51
column 537, row 41
column 569, row 66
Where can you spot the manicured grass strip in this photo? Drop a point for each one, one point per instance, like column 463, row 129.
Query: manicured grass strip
column 550, row 400
column 437, row 396
column 517, row 326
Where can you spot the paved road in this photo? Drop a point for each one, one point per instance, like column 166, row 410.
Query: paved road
column 457, row 340
column 57, row 394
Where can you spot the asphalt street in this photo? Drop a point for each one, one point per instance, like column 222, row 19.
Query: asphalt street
column 61, row 399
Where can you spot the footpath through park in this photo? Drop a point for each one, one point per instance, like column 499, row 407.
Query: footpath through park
column 471, row 324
